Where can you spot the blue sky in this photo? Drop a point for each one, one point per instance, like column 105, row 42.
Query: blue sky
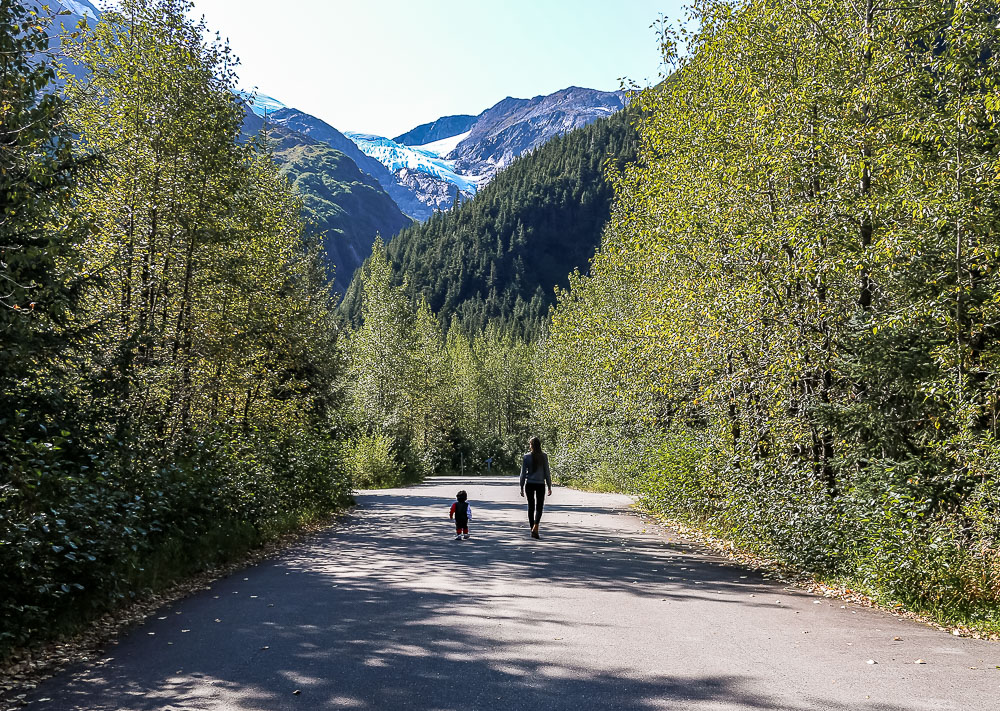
column 385, row 66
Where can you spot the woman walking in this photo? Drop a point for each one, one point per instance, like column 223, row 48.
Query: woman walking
column 535, row 477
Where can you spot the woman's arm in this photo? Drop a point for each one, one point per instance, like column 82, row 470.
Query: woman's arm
column 548, row 474
column 524, row 472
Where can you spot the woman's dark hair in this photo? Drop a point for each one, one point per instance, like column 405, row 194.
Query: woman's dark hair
column 461, row 496
column 537, row 455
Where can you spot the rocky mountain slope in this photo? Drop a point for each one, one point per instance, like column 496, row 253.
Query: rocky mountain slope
column 404, row 196
column 465, row 152
column 514, row 126
column 468, row 151
column 427, row 168
column 427, row 173
column 444, row 127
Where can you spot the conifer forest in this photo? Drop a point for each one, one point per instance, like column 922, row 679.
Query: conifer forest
column 764, row 299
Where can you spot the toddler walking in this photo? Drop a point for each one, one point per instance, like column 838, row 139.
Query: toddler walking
column 461, row 511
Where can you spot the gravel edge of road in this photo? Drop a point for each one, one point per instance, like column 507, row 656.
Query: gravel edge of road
column 780, row 572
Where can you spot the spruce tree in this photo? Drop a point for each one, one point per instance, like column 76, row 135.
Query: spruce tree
column 38, row 287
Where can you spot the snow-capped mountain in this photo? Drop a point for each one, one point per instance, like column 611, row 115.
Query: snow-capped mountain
column 467, row 151
column 396, row 156
column 455, row 154
column 80, row 8
column 261, row 104
column 513, row 126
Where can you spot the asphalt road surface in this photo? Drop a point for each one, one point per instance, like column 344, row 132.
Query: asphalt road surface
column 385, row 611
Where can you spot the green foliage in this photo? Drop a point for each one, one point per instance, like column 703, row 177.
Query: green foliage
column 39, row 291
column 194, row 409
column 438, row 400
column 39, row 282
column 497, row 258
column 372, row 462
column 791, row 317
column 346, row 206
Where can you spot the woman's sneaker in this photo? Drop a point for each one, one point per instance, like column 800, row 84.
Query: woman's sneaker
column 466, row 536
column 458, row 537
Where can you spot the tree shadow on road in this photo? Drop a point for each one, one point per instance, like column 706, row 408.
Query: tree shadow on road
column 387, row 613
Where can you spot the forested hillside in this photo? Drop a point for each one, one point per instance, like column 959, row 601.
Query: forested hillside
column 498, row 258
column 348, row 207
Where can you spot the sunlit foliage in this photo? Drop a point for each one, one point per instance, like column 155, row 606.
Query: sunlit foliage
column 790, row 330
column 197, row 408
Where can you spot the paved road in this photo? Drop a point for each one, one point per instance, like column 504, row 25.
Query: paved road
column 605, row 612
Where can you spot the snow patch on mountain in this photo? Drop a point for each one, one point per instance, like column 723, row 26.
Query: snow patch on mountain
column 442, row 147
column 395, row 157
column 261, row 104
column 80, row 7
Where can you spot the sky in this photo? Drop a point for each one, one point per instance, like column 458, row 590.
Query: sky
column 386, row 66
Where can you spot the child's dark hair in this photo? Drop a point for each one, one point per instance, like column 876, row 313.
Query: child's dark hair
column 461, row 496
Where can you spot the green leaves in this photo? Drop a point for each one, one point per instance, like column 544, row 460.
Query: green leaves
column 439, row 400
column 194, row 385
column 798, row 277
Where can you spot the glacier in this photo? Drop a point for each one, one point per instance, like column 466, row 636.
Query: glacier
column 443, row 146
column 260, row 104
column 80, row 7
column 396, row 156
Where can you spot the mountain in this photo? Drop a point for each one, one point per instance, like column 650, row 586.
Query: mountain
column 261, row 105
column 345, row 204
column 444, row 127
column 319, row 130
column 514, row 126
column 498, row 257
column 77, row 8
column 306, row 124
column 432, row 166
column 467, row 151
column 396, row 157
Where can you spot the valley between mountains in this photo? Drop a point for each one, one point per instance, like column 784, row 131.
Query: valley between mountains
column 430, row 169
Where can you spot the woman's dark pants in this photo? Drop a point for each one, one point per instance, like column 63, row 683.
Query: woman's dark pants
column 536, row 499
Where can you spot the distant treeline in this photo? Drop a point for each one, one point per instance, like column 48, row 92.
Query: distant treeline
column 426, row 401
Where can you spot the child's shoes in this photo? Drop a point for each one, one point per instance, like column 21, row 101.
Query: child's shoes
column 459, row 537
column 466, row 536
